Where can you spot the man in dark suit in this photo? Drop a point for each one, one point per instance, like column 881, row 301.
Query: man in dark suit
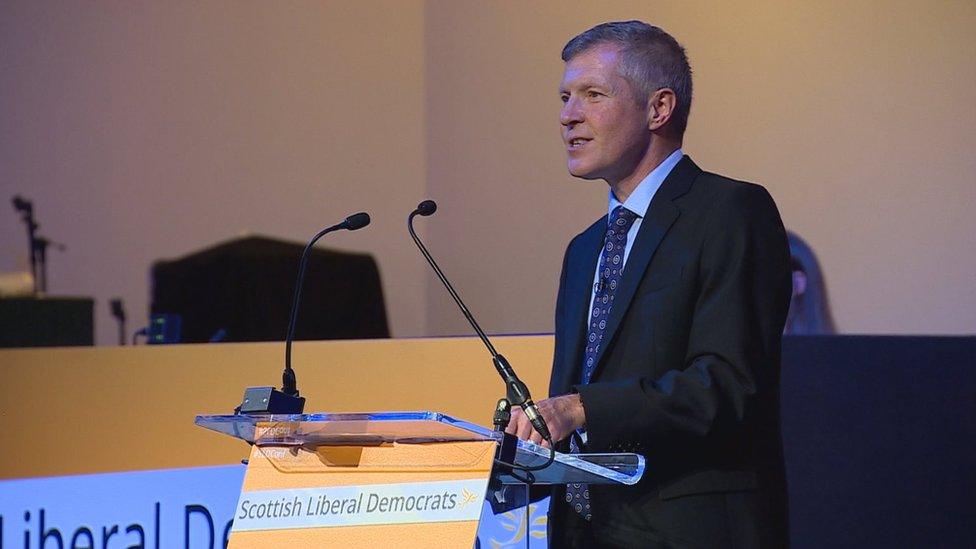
column 668, row 317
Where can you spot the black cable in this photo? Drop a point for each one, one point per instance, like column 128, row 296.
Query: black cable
column 528, row 480
column 530, row 468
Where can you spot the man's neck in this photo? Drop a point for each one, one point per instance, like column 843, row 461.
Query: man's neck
column 657, row 153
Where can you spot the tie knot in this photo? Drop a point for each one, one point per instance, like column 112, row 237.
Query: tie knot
column 620, row 220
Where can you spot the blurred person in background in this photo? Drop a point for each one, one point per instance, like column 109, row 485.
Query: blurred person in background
column 809, row 308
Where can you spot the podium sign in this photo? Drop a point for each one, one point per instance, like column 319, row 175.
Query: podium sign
column 413, row 479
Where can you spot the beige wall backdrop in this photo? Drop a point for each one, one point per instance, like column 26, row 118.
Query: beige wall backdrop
column 146, row 130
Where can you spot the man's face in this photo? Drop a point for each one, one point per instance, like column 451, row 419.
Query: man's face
column 604, row 125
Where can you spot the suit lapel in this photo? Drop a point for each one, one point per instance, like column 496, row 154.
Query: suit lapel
column 579, row 288
column 661, row 214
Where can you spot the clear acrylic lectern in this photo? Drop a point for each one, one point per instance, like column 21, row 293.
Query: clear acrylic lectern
column 400, row 452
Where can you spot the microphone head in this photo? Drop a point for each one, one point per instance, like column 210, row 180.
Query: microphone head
column 427, row 207
column 117, row 308
column 357, row 221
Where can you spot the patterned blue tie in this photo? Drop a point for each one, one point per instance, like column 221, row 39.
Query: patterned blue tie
column 611, row 271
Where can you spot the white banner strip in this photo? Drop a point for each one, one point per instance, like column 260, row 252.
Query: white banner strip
column 415, row 502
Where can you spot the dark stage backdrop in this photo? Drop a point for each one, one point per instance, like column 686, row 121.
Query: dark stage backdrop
column 880, row 440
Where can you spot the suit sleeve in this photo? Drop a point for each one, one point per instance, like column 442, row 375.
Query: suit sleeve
column 558, row 360
column 733, row 342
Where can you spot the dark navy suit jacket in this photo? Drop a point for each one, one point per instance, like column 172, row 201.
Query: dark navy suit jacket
column 688, row 374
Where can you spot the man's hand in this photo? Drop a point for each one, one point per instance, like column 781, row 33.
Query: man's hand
column 563, row 414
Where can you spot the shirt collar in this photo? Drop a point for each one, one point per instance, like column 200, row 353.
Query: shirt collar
column 640, row 199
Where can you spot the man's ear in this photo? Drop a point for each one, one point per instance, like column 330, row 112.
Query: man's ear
column 660, row 108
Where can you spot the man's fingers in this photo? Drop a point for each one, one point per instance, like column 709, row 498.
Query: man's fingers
column 525, row 428
column 513, row 422
column 519, row 425
column 535, row 437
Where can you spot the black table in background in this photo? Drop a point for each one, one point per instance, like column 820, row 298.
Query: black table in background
column 243, row 288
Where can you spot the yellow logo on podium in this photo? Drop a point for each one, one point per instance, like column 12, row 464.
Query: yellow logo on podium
column 467, row 497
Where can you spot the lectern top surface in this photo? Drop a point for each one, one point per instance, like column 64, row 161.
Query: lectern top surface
column 309, row 431
column 344, row 429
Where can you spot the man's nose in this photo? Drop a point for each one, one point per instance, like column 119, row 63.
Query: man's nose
column 570, row 113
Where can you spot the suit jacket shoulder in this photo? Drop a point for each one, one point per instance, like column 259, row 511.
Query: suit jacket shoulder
column 718, row 192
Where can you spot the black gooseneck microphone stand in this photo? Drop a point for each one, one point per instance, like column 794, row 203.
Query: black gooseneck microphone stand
column 517, row 393
column 268, row 400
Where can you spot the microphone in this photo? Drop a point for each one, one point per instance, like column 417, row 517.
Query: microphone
column 517, row 392
column 268, row 400
column 355, row 222
column 117, row 308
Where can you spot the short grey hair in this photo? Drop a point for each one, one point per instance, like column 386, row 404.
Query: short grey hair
column 651, row 59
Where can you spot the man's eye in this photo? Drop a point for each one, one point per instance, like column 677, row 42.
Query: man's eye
column 564, row 97
column 593, row 94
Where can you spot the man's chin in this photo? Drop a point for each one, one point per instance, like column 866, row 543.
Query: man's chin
column 582, row 173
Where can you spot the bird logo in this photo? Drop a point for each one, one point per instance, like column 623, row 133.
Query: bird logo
column 467, row 497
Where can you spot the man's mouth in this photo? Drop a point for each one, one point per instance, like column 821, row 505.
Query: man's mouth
column 577, row 142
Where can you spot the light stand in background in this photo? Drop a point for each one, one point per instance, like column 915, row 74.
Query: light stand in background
column 36, row 244
column 26, row 209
